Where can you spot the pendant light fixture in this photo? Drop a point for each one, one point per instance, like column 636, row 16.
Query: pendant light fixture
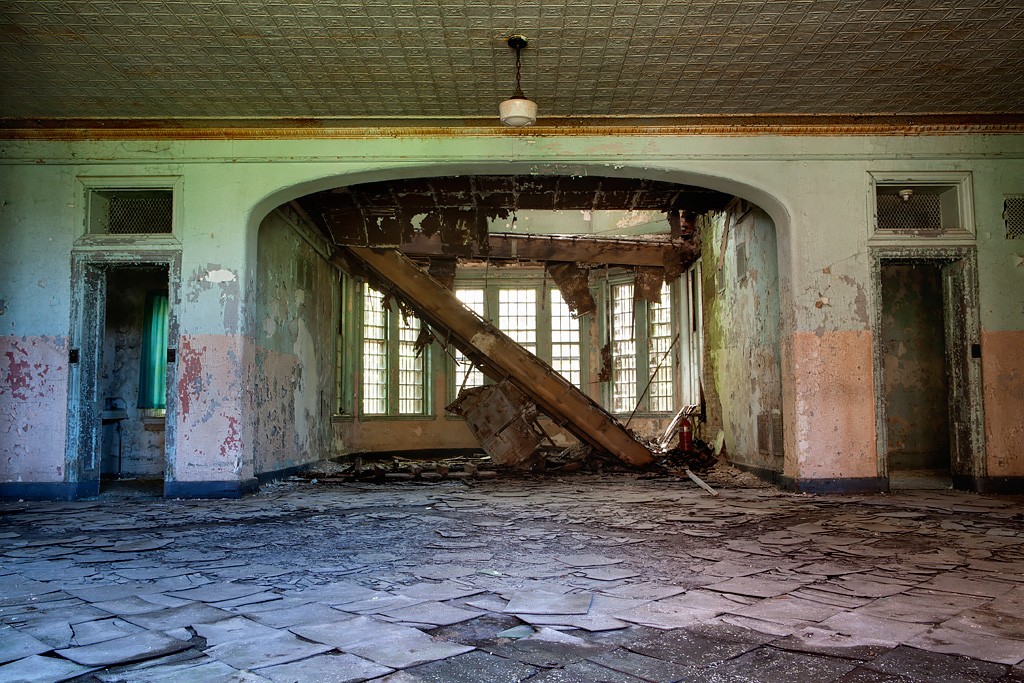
column 517, row 111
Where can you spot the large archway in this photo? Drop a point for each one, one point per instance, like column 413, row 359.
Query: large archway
column 459, row 213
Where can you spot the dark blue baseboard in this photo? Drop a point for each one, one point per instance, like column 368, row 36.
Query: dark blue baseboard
column 1004, row 485
column 771, row 476
column 267, row 477
column 48, row 490
column 837, row 485
column 209, row 489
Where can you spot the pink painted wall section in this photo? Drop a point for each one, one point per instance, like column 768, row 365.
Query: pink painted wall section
column 1002, row 377
column 33, row 408
column 829, row 405
column 214, row 441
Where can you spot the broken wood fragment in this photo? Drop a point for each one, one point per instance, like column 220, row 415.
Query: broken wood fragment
column 700, row 482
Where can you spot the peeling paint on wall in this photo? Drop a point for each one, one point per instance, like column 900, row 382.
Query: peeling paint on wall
column 212, row 279
column 33, row 396
column 214, row 374
column 297, row 301
column 742, row 336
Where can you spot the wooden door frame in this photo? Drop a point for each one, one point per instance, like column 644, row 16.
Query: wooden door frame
column 939, row 257
column 89, row 270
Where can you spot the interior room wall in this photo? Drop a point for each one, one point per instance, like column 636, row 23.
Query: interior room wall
column 742, row 328
column 296, row 318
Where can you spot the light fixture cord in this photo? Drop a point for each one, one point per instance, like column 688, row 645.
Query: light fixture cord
column 519, row 88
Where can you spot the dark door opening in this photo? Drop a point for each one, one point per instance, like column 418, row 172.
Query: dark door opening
column 915, row 370
column 132, row 392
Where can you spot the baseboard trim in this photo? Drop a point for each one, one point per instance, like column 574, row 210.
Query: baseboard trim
column 997, row 485
column 763, row 473
column 837, row 485
column 267, row 477
column 209, row 489
column 48, row 490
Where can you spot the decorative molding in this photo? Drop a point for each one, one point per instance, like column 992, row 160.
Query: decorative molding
column 338, row 128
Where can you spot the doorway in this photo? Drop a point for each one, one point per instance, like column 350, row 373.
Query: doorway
column 927, row 375
column 121, row 412
column 132, row 378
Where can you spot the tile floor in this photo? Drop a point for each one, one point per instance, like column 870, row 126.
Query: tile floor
column 584, row 579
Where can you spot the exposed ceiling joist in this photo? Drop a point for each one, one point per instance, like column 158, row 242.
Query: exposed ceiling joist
column 589, row 250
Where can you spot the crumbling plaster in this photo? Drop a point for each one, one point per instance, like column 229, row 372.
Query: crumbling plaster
column 815, row 189
column 297, row 306
column 742, row 329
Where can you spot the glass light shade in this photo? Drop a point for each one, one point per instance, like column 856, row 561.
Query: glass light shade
column 518, row 112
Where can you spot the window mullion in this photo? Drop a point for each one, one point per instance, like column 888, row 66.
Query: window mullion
column 644, row 362
column 394, row 343
column 544, row 324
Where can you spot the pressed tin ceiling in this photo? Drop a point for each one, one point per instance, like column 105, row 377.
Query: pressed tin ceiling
column 447, row 60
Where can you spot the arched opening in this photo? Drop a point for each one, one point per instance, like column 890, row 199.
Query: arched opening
column 503, row 241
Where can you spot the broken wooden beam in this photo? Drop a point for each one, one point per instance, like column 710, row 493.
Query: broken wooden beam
column 554, row 395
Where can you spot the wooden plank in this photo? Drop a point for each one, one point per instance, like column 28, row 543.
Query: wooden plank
column 554, row 395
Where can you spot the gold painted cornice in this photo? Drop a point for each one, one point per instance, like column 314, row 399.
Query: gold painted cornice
column 68, row 129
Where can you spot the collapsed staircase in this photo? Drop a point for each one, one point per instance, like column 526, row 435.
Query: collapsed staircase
column 499, row 357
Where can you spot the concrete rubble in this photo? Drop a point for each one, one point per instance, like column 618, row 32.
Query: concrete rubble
column 625, row 578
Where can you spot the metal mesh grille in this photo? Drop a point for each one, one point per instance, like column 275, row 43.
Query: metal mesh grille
column 920, row 212
column 131, row 212
column 769, row 434
column 764, row 434
column 1013, row 214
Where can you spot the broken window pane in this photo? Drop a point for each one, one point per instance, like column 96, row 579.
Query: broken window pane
column 466, row 375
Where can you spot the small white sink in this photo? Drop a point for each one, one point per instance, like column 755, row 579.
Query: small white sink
column 113, row 415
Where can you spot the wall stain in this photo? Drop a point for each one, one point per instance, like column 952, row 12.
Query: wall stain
column 190, row 382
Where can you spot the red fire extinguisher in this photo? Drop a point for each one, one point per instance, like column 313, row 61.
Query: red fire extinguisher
column 685, row 435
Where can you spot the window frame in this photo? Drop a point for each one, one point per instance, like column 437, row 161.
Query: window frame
column 393, row 397
column 491, row 283
column 642, row 340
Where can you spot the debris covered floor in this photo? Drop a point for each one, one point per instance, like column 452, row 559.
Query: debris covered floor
column 588, row 578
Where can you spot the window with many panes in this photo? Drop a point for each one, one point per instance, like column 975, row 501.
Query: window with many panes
column 566, row 356
column 623, row 341
column 643, row 363
column 394, row 371
column 394, row 375
column 517, row 316
column 659, row 344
